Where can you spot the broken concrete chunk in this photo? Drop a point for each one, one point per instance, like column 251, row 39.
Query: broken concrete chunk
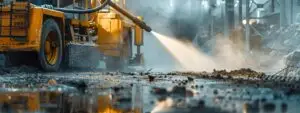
column 293, row 59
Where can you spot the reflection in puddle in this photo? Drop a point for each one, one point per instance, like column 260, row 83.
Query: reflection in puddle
column 135, row 99
column 70, row 101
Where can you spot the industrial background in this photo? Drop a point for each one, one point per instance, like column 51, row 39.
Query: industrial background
column 149, row 56
column 201, row 21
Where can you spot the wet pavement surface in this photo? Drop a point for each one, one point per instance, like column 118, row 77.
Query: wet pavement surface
column 113, row 92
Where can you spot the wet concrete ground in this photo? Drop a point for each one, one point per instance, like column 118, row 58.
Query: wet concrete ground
column 95, row 92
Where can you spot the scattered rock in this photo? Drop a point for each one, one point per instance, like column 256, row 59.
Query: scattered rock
column 215, row 92
column 269, row 107
column 201, row 86
column 151, row 78
column 263, row 100
column 80, row 85
column 159, row 91
column 284, row 107
column 178, row 90
column 201, row 104
column 190, row 79
column 162, row 98
column 52, row 82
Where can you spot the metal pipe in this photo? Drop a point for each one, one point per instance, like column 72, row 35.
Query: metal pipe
column 272, row 6
column 138, row 50
column 104, row 3
column 137, row 21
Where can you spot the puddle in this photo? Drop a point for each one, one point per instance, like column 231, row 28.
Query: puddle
column 145, row 99
column 135, row 94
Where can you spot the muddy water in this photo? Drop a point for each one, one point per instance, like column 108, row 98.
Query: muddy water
column 135, row 94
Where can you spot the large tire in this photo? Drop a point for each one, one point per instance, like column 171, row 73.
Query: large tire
column 51, row 48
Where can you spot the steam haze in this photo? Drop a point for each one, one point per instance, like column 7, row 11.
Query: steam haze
column 183, row 21
column 167, row 18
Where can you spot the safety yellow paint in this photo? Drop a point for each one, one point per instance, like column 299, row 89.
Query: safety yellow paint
column 51, row 50
column 84, row 23
column 110, row 30
column 138, row 37
column 34, row 31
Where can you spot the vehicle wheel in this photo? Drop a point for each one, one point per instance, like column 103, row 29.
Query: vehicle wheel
column 51, row 49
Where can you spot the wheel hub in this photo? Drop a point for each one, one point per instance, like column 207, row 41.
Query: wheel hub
column 51, row 48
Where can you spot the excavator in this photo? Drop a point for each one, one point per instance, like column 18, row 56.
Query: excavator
column 52, row 34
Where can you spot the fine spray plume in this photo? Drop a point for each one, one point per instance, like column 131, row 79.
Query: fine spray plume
column 226, row 56
column 187, row 55
column 172, row 22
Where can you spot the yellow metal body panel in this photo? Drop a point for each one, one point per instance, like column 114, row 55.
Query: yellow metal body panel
column 36, row 17
column 138, row 37
column 110, row 37
column 113, row 29
column 77, row 23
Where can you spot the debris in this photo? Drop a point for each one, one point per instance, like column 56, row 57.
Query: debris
column 269, row 107
column 151, row 78
column 159, row 91
column 190, row 79
column 52, row 82
column 80, row 85
column 284, row 107
column 201, row 86
column 178, row 90
column 18, row 70
column 215, row 92
column 148, row 72
column 201, row 104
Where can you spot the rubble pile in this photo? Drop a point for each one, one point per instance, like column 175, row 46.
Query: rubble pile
column 292, row 65
column 244, row 72
column 248, row 77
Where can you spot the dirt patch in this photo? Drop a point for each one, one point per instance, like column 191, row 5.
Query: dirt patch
column 18, row 70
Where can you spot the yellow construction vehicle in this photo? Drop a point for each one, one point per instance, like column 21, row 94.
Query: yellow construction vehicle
column 41, row 32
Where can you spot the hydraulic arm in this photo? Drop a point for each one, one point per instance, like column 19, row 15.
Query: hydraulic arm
column 137, row 21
